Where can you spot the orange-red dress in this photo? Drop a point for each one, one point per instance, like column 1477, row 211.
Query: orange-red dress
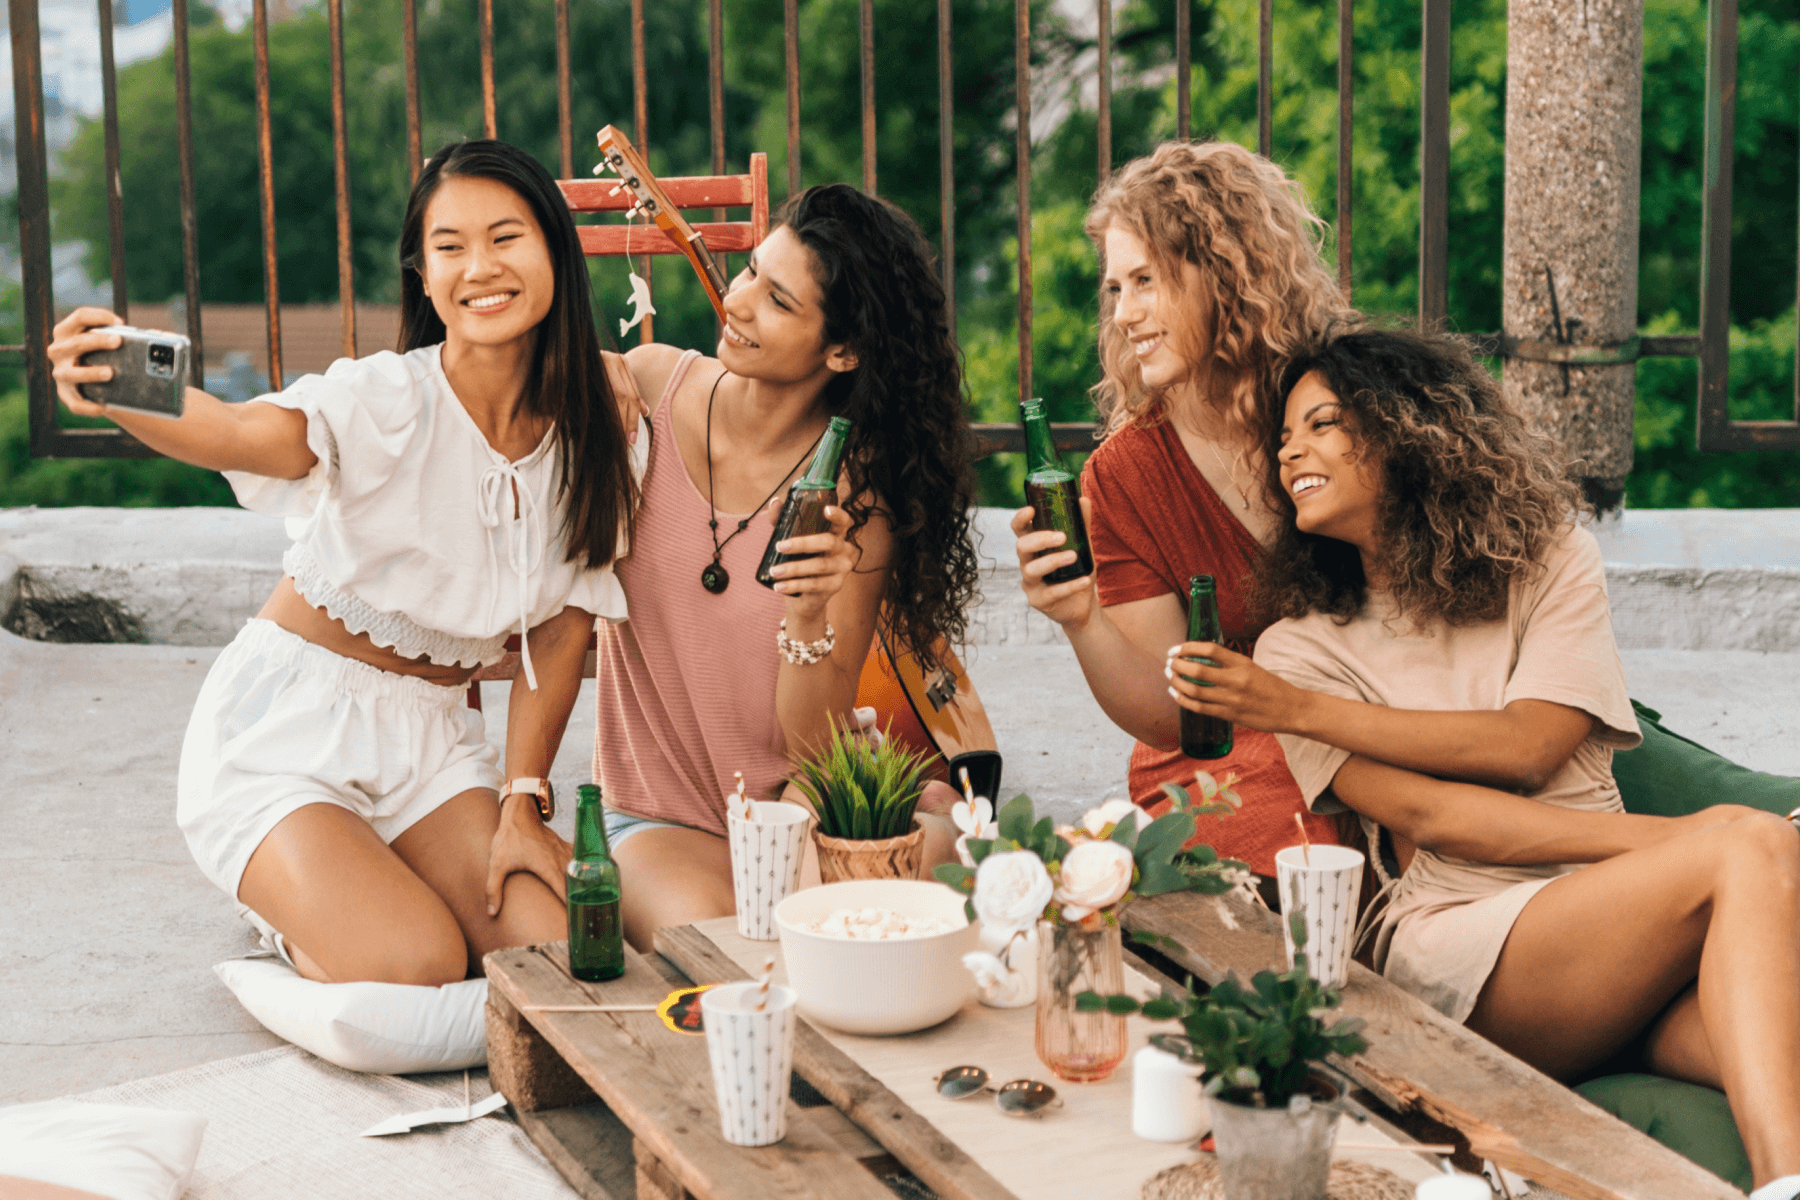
column 1156, row 521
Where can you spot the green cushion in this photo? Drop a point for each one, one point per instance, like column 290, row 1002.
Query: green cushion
column 1670, row 776
column 1689, row 1119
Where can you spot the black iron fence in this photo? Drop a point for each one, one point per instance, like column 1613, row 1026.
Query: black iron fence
column 1716, row 430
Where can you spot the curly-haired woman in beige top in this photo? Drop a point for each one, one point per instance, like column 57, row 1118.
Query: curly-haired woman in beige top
column 1444, row 667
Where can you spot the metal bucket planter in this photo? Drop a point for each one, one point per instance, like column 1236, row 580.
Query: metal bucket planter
column 874, row 858
column 1276, row 1153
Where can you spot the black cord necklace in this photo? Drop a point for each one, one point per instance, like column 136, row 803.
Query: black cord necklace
column 715, row 578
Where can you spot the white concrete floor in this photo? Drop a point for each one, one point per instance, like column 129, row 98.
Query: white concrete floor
column 108, row 931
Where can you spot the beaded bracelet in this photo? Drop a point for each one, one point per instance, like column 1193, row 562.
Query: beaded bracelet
column 805, row 654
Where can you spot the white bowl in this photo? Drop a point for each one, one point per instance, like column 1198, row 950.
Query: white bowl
column 896, row 985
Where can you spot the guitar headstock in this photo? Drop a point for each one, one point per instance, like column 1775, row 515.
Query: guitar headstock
column 622, row 158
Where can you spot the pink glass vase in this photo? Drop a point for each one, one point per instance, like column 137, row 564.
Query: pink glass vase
column 1080, row 1046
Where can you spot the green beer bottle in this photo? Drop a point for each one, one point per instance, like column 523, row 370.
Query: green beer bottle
column 1203, row 736
column 596, row 926
column 1053, row 494
column 804, row 512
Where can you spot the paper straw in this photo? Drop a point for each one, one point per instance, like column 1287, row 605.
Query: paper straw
column 969, row 789
column 762, row 984
column 1305, row 842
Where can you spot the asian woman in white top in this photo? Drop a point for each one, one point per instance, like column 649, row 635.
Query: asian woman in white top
column 479, row 483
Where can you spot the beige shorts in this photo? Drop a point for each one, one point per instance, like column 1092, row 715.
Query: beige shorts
column 281, row 723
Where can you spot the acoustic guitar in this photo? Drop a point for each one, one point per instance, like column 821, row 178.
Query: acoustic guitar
column 942, row 715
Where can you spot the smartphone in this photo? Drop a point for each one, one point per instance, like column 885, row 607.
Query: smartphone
column 150, row 371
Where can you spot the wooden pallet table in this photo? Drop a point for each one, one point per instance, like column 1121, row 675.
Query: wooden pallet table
column 1420, row 1062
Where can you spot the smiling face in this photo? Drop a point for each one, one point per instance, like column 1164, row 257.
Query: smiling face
column 1157, row 315
column 1336, row 490
column 774, row 325
column 486, row 266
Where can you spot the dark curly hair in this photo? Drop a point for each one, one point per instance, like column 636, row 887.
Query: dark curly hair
column 1470, row 497
column 567, row 382
column 909, row 452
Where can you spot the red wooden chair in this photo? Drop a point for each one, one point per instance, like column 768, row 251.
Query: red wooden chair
column 722, row 237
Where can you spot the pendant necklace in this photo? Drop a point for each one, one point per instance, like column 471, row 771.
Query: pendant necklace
column 1230, row 478
column 715, row 578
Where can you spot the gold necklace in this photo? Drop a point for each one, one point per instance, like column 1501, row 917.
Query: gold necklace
column 1231, row 478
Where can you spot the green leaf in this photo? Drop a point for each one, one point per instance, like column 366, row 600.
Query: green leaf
column 1162, row 1009
column 1162, row 838
column 1297, row 926
column 1178, row 796
column 979, row 848
column 1126, row 833
column 955, row 874
column 1090, row 1002
column 1161, row 877
column 1016, row 818
column 1121, row 1006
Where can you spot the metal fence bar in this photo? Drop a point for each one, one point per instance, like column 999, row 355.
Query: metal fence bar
column 1103, row 105
column 946, row 162
column 34, row 217
column 866, row 30
column 190, row 205
column 341, row 168
column 1022, row 83
column 1265, row 75
column 1434, row 165
column 409, row 41
column 1346, row 82
column 640, row 129
column 490, row 124
column 565, row 94
column 265, row 173
column 715, row 87
column 790, row 40
column 1715, row 430
column 1184, row 69
column 115, row 199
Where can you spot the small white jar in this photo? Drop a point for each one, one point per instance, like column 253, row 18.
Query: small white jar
column 1454, row 1187
column 1166, row 1102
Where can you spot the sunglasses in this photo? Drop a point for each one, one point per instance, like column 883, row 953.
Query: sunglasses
column 1020, row 1098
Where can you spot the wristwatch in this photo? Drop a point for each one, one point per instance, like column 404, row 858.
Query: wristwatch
column 539, row 788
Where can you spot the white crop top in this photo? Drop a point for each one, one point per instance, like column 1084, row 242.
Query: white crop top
column 406, row 530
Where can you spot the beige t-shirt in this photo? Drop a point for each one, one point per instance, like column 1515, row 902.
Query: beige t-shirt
column 1555, row 643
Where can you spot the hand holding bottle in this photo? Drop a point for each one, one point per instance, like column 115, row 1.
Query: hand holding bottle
column 813, row 568
column 1071, row 603
column 1237, row 690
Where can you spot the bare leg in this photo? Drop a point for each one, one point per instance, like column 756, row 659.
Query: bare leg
column 1600, row 954
column 449, row 851
column 347, row 905
column 672, row 877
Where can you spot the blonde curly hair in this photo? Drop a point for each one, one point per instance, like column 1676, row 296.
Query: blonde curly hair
column 1266, row 293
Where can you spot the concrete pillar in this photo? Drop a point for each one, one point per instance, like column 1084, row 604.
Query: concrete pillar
column 1574, row 130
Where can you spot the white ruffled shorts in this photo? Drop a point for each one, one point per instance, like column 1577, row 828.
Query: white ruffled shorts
column 281, row 723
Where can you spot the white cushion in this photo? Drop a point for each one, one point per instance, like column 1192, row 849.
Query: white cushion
column 107, row 1149
column 381, row 1028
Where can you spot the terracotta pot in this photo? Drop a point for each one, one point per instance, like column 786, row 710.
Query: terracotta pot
column 873, row 858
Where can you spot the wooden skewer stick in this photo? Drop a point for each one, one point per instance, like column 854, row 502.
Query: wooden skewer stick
column 1305, row 842
column 588, row 1007
column 1423, row 1148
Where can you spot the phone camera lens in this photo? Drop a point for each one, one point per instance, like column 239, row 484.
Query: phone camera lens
column 162, row 356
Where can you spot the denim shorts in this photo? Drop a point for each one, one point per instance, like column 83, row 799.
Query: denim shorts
column 621, row 825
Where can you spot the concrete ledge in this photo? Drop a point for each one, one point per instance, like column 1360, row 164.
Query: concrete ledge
column 1700, row 579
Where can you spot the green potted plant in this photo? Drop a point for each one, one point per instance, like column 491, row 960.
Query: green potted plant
column 863, row 791
column 1260, row 1047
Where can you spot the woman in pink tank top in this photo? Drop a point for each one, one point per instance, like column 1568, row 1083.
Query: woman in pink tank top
column 839, row 313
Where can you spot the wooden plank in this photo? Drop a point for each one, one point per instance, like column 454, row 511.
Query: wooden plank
column 589, row 1147
column 1418, row 1060
column 606, row 194
column 654, row 1179
column 523, row 1067
column 659, row 1084
column 918, row 1145
column 732, row 236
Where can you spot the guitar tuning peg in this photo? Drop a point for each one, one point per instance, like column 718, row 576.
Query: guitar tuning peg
column 616, row 190
column 600, row 167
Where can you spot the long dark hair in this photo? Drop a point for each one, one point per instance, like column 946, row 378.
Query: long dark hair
column 910, row 449
column 568, row 382
column 1471, row 497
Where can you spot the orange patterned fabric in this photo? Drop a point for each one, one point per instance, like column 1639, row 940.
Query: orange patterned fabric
column 1157, row 521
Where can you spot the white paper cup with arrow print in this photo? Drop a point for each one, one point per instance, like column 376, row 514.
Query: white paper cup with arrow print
column 766, row 856
column 752, row 1053
column 1325, row 882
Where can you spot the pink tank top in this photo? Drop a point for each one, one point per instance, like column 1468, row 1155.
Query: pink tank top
column 686, row 685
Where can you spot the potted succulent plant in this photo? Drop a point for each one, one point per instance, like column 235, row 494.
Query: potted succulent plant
column 863, row 790
column 1260, row 1047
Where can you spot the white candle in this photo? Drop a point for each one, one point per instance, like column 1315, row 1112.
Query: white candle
column 1454, row 1187
column 1166, row 1102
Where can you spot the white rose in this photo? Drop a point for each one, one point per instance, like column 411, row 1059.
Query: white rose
column 1094, row 875
column 1011, row 890
column 1094, row 822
